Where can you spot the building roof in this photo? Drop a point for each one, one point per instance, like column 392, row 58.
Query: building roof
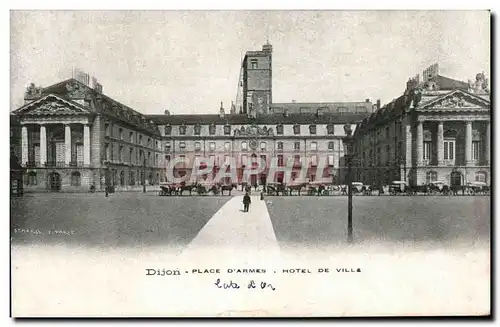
column 102, row 103
column 241, row 119
column 334, row 107
column 446, row 83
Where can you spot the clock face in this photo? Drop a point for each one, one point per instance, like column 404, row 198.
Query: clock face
column 253, row 144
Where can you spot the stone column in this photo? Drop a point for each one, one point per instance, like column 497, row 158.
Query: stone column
column 409, row 140
column 67, row 144
column 468, row 143
column 440, row 144
column 24, row 145
column 487, row 149
column 43, row 145
column 86, row 145
column 420, row 143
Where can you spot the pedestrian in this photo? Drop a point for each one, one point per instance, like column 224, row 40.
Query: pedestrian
column 246, row 202
column 262, row 195
column 106, row 190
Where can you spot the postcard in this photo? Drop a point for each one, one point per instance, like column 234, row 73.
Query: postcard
column 250, row 163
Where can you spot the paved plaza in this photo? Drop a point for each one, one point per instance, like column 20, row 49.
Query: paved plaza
column 135, row 219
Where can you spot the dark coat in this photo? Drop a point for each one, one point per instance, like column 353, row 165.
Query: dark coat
column 246, row 199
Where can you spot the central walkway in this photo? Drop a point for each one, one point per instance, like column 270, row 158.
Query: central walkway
column 232, row 235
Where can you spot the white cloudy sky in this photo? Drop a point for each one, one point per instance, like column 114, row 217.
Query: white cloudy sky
column 189, row 61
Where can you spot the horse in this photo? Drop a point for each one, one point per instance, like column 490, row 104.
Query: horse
column 297, row 188
column 185, row 187
column 229, row 188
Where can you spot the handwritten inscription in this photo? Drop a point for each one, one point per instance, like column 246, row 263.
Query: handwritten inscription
column 251, row 285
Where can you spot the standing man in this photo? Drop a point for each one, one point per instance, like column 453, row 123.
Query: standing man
column 246, row 202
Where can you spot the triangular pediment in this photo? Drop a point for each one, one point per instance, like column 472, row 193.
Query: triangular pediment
column 52, row 105
column 457, row 100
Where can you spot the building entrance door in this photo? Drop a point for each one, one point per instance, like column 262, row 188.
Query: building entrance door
column 55, row 181
column 456, row 179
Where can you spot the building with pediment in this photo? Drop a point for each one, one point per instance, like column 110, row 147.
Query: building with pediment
column 73, row 136
column 438, row 130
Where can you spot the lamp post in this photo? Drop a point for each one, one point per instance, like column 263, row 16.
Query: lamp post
column 144, row 176
column 348, row 141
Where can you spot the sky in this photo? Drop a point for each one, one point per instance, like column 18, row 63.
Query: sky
column 189, row 61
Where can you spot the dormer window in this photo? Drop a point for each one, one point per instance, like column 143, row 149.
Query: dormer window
column 182, row 130
column 197, row 129
column 279, row 129
column 296, row 129
column 227, row 130
column 211, row 129
column 168, row 129
column 312, row 129
column 329, row 129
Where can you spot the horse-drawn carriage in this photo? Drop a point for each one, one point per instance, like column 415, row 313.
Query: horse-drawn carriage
column 399, row 187
column 317, row 188
column 276, row 189
column 477, row 188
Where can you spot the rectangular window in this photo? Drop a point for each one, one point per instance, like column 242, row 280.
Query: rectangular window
column 212, row 160
column 131, row 137
column 197, row 146
column 227, row 146
column 280, row 160
column 449, row 150
column 280, row 145
column 476, row 146
column 296, row 146
column 244, row 160
column 263, row 146
column 314, row 146
column 330, row 129
column 244, row 145
column 226, row 160
column 211, row 146
column 330, row 146
column 227, row 130
column 427, row 150
column 167, row 159
column 330, row 160
column 263, row 158
column 314, row 160
column 253, row 63
column 182, row 146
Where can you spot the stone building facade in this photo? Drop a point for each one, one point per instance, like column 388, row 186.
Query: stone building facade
column 438, row 130
column 311, row 138
column 73, row 136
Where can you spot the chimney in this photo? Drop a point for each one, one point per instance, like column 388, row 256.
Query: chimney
column 221, row 110
column 267, row 47
column 367, row 100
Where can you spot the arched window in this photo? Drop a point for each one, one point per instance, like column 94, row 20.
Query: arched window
column 150, row 178
column 431, row 176
column 480, row 176
column 75, row 178
column 122, row 178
